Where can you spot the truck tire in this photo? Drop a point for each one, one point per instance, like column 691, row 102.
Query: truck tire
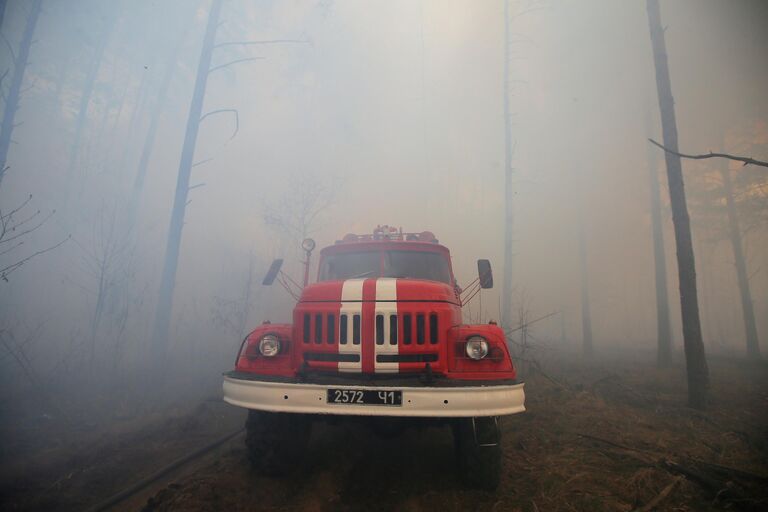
column 276, row 442
column 478, row 452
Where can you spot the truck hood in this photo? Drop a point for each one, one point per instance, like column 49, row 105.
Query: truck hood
column 409, row 290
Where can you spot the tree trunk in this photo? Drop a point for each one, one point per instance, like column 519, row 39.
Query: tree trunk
column 747, row 309
column 14, row 91
column 85, row 99
column 586, row 315
column 3, row 5
column 664, row 331
column 506, row 286
column 695, row 357
column 168, row 278
column 149, row 139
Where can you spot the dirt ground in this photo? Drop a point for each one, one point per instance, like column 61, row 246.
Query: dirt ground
column 612, row 436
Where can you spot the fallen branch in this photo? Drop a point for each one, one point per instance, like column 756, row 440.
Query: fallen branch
column 746, row 475
column 693, row 474
column 646, row 457
column 661, row 497
column 746, row 160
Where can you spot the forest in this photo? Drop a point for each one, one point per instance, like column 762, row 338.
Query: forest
column 610, row 159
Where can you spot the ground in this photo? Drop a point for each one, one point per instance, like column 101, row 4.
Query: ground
column 611, row 435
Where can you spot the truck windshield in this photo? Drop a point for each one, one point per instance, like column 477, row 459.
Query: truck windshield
column 403, row 264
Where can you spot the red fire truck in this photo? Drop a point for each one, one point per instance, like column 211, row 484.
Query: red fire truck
column 379, row 335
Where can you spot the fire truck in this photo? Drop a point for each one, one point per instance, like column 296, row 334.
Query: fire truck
column 379, row 337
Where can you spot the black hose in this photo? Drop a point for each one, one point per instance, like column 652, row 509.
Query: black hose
column 141, row 484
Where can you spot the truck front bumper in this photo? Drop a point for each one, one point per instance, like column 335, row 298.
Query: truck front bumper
column 444, row 400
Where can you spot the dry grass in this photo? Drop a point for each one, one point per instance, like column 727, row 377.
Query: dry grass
column 611, row 435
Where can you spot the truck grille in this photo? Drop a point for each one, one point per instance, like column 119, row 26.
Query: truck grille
column 320, row 328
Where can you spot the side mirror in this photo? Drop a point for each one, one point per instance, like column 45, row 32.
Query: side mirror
column 274, row 268
column 485, row 274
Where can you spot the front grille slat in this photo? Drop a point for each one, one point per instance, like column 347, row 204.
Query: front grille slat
column 343, row 330
column 331, row 331
column 420, row 328
column 318, row 328
column 356, row 329
column 407, row 329
column 387, row 328
column 393, row 329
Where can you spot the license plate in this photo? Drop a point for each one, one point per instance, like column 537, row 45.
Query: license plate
column 365, row 397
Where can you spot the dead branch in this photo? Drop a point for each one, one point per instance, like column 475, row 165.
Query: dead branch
column 8, row 44
column 721, row 489
column 746, row 160
column 526, row 324
column 230, row 63
column 259, row 43
column 5, row 272
column 642, row 454
column 3, row 229
column 697, row 476
column 222, row 111
column 201, row 162
column 660, row 497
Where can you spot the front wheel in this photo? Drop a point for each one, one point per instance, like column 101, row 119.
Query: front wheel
column 276, row 442
column 478, row 451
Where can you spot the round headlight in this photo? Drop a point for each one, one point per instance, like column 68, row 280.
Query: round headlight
column 477, row 348
column 269, row 345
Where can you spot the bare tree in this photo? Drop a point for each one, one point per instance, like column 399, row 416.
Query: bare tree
column 231, row 315
column 506, row 285
column 664, row 330
column 204, row 70
column 296, row 214
column 107, row 261
column 168, row 278
column 157, row 109
column 16, row 226
column 586, row 314
column 696, row 360
column 734, row 232
column 105, row 33
column 3, row 5
column 12, row 98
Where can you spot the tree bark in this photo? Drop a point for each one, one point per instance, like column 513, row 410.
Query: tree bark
column 664, row 331
column 747, row 308
column 14, row 91
column 586, row 314
column 695, row 357
column 506, row 285
column 168, row 278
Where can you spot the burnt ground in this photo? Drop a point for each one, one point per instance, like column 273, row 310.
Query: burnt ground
column 608, row 436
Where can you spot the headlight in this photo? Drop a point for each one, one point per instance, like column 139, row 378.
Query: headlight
column 477, row 348
column 269, row 345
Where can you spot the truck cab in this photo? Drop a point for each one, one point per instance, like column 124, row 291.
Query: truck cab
column 379, row 334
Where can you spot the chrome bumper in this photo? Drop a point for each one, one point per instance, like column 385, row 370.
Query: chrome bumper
column 422, row 401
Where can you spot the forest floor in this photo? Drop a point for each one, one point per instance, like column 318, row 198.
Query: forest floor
column 612, row 435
